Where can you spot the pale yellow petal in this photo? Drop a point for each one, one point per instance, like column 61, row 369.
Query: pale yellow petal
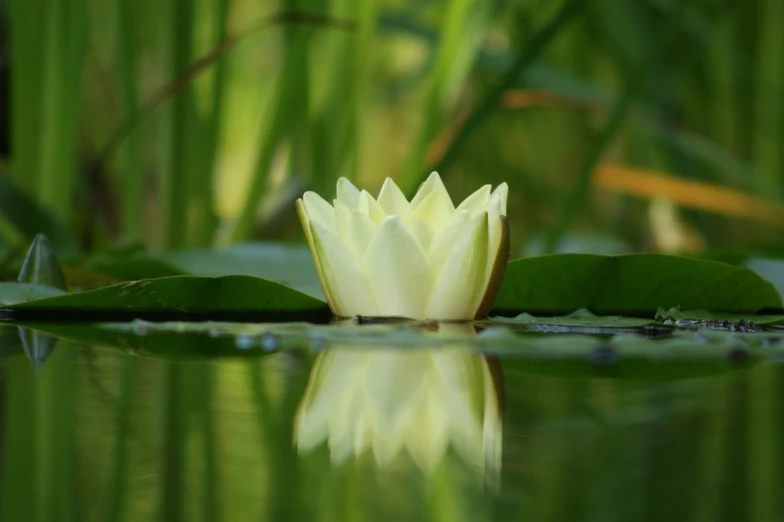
column 392, row 200
column 432, row 184
column 343, row 222
column 423, row 232
column 399, row 270
column 362, row 232
column 370, row 207
column 502, row 192
column 344, row 279
column 319, row 210
column 476, row 202
column 460, row 285
column 348, row 193
column 305, row 221
column 446, row 239
column 435, row 210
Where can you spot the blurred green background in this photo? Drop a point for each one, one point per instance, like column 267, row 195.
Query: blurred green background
column 619, row 126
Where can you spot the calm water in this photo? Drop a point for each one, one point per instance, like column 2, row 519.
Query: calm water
column 342, row 433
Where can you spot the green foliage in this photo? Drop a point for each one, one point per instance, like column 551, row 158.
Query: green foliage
column 633, row 284
column 183, row 294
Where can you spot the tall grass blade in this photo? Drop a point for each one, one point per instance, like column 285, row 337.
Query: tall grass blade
column 532, row 50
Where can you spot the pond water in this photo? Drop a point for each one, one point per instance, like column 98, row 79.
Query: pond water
column 131, row 423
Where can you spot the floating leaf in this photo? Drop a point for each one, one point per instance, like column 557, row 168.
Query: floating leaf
column 184, row 295
column 13, row 293
column 579, row 318
column 698, row 317
column 633, row 284
column 290, row 265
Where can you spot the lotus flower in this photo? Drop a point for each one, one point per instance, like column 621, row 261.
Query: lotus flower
column 423, row 259
column 390, row 402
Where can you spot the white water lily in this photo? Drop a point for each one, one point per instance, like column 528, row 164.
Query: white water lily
column 390, row 402
column 424, row 259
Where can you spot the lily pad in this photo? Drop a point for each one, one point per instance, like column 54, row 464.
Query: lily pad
column 13, row 293
column 579, row 318
column 182, row 294
column 290, row 265
column 632, row 284
column 697, row 317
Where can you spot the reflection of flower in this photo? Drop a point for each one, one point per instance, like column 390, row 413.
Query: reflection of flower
column 389, row 400
column 423, row 259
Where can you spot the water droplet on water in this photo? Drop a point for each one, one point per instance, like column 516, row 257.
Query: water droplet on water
column 603, row 356
column 244, row 342
column 141, row 329
column 269, row 341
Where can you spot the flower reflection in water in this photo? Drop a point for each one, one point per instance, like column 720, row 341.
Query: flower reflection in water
column 388, row 402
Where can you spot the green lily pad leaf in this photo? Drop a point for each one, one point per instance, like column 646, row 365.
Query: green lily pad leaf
column 290, row 265
column 13, row 293
column 579, row 318
column 706, row 318
column 770, row 269
column 632, row 284
column 182, row 294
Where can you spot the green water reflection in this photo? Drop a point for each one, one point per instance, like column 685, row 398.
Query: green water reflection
column 93, row 433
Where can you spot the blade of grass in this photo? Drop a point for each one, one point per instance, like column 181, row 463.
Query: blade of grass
column 64, row 38
column 132, row 168
column 174, row 176
column 26, row 55
column 441, row 82
column 635, row 81
column 532, row 50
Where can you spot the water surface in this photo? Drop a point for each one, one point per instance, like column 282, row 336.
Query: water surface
column 258, row 428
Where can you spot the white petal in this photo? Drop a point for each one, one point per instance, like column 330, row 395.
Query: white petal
column 354, row 229
column 319, row 210
column 362, row 232
column 460, row 285
column 399, row 270
column 370, row 207
column 432, row 184
column 392, row 200
column 305, row 221
column 423, row 232
column 343, row 222
column 343, row 278
column 446, row 239
column 476, row 202
column 348, row 193
column 495, row 234
column 502, row 191
column 435, row 210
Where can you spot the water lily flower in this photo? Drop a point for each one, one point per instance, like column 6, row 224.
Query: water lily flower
column 423, row 259
column 390, row 402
